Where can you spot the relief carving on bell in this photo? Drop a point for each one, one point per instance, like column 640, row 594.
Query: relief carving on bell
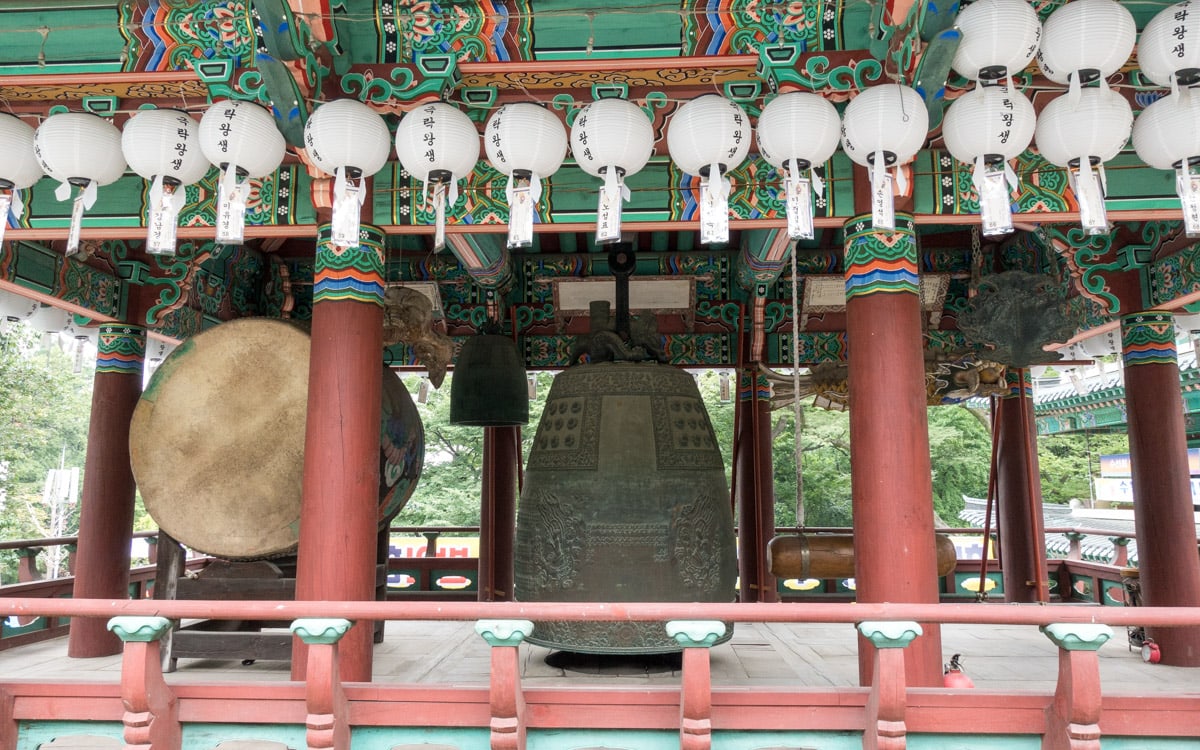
column 625, row 499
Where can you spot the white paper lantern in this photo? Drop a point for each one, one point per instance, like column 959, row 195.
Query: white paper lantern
column 1166, row 135
column 1086, row 37
column 999, row 38
column 1169, row 48
column 527, row 142
column 349, row 140
column 241, row 138
column 987, row 127
column 19, row 167
column 49, row 319
column 707, row 137
column 81, row 151
column 15, row 308
column 611, row 139
column 438, row 145
column 1083, row 135
column 798, row 132
column 163, row 146
column 157, row 350
column 1102, row 345
column 882, row 127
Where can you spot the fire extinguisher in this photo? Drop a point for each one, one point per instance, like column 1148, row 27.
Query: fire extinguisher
column 1150, row 652
column 954, row 676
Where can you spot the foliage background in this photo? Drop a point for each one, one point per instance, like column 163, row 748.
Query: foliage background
column 45, row 406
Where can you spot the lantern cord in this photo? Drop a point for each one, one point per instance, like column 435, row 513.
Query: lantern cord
column 15, row 206
column 6, row 207
column 797, row 409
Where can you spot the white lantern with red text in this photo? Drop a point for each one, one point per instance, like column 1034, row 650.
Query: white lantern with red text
column 798, row 132
column 707, row 137
column 527, row 142
column 82, row 152
column 163, row 146
column 438, row 145
column 884, row 127
column 611, row 139
column 241, row 139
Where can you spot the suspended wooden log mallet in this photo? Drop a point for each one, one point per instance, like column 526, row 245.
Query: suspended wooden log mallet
column 832, row 556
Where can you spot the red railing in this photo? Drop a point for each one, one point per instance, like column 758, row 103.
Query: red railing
column 886, row 712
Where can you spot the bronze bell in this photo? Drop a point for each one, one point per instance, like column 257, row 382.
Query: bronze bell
column 625, row 499
column 489, row 387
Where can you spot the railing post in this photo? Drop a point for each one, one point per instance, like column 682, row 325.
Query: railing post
column 27, row 569
column 152, row 550
column 151, row 711
column 507, row 700
column 1073, row 718
column 71, row 550
column 885, row 728
column 1075, row 546
column 328, row 721
column 695, row 707
column 1120, row 550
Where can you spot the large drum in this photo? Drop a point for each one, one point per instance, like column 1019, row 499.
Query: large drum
column 217, row 440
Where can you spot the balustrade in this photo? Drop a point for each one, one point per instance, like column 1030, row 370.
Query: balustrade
column 886, row 713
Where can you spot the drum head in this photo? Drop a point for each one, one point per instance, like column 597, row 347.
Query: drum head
column 217, row 439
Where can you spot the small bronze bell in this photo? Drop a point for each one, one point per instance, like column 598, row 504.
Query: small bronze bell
column 489, row 387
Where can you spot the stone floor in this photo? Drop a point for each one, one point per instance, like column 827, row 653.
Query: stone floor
column 758, row 654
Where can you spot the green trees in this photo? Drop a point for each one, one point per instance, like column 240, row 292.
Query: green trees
column 44, row 410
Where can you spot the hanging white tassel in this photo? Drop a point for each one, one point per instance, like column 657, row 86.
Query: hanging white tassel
column 348, row 198
column 991, row 183
column 798, row 192
column 608, row 212
column 883, row 205
column 166, row 201
column 439, row 211
column 232, row 194
column 10, row 203
column 714, row 207
column 1074, row 89
column 1187, row 185
column 84, row 199
column 522, row 193
column 1089, row 193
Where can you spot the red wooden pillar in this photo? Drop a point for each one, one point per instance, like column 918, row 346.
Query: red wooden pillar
column 106, row 508
column 891, row 480
column 498, row 513
column 754, row 490
column 1166, row 530
column 1018, row 487
column 340, row 497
